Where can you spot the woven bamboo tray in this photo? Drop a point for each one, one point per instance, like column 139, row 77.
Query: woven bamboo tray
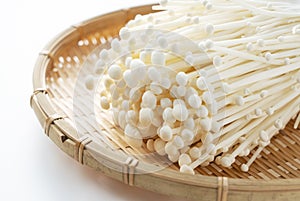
column 274, row 176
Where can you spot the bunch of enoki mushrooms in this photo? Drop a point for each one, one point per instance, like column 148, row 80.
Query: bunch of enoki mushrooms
column 200, row 81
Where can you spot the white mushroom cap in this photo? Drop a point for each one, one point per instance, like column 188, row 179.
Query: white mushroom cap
column 165, row 133
column 115, row 72
column 184, row 159
column 187, row 169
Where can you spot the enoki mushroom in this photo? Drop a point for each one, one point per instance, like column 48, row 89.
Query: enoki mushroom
column 202, row 81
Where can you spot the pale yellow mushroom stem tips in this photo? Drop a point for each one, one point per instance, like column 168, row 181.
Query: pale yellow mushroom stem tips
column 223, row 97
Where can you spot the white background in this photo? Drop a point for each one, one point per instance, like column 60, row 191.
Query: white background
column 32, row 168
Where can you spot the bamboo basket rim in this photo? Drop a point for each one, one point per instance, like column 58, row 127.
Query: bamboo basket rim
column 54, row 122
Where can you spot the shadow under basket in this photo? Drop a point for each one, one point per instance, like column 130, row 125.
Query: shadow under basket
column 275, row 175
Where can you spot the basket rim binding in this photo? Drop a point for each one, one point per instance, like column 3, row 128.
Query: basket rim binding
column 60, row 130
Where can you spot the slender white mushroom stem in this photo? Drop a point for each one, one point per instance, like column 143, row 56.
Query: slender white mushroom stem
column 266, row 74
column 267, row 12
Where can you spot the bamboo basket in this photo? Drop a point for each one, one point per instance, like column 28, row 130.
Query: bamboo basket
column 275, row 175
